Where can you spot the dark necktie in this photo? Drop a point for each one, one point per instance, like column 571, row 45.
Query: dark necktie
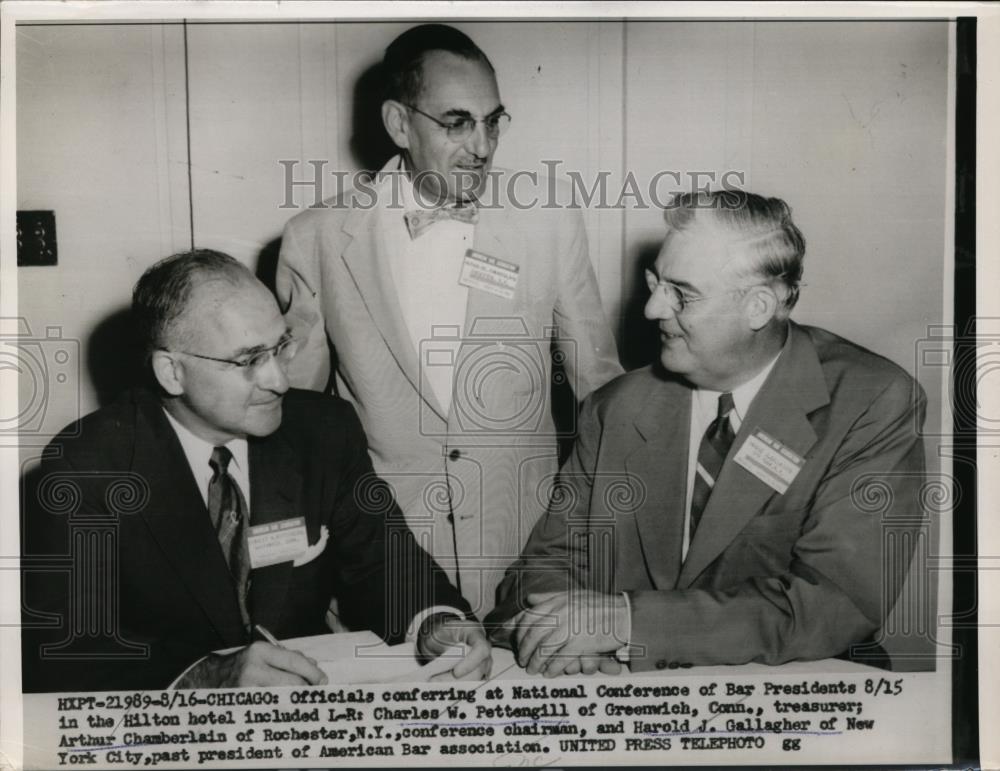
column 419, row 220
column 715, row 444
column 228, row 512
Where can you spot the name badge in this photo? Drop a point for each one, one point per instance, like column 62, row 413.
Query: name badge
column 769, row 460
column 489, row 274
column 277, row 542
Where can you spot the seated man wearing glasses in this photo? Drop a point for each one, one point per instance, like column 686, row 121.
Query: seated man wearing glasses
column 441, row 296
column 754, row 497
column 232, row 510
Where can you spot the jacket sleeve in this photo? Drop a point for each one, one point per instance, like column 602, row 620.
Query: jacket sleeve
column 847, row 566
column 298, row 285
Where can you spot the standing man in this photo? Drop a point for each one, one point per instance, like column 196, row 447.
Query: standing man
column 442, row 314
column 198, row 474
column 756, row 499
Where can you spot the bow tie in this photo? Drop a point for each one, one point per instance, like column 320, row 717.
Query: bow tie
column 419, row 220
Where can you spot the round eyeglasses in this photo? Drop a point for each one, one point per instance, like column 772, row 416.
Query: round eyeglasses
column 251, row 364
column 459, row 129
column 679, row 300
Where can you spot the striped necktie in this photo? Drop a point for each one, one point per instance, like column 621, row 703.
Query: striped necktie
column 712, row 452
column 228, row 512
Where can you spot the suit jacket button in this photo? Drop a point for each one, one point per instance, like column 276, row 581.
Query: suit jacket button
column 661, row 664
column 454, row 454
column 673, row 665
column 451, row 518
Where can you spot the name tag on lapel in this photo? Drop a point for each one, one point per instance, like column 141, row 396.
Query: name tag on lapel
column 277, row 542
column 489, row 274
column 769, row 460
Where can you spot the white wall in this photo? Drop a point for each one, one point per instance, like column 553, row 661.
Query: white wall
column 101, row 140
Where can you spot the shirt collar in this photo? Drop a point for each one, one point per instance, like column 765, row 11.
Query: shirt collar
column 743, row 395
column 198, row 451
column 406, row 195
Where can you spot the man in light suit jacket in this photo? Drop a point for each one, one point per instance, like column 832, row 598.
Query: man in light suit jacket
column 441, row 299
column 753, row 499
column 161, row 504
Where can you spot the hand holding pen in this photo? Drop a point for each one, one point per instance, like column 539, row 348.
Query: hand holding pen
column 262, row 663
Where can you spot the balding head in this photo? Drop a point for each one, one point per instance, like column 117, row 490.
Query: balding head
column 162, row 298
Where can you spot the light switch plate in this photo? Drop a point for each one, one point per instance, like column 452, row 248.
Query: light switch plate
column 36, row 238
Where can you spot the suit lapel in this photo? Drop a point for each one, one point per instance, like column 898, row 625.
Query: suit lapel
column 368, row 261
column 367, row 258
column 662, row 432
column 178, row 520
column 795, row 388
column 275, row 485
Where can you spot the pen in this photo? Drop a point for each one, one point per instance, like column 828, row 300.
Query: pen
column 267, row 635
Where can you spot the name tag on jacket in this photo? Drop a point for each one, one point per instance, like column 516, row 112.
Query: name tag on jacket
column 277, row 542
column 769, row 460
column 489, row 274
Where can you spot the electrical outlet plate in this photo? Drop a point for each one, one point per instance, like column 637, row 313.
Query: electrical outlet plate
column 36, row 238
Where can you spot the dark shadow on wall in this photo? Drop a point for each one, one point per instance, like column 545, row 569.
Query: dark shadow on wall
column 370, row 145
column 640, row 337
column 267, row 263
column 114, row 356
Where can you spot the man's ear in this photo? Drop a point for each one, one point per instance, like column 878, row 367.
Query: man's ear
column 761, row 305
column 169, row 372
column 396, row 122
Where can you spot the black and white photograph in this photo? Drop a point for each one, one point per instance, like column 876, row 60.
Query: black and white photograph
column 432, row 384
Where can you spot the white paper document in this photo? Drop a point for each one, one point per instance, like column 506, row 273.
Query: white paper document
column 362, row 657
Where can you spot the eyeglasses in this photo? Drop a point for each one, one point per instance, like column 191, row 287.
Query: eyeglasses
column 460, row 128
column 251, row 364
column 679, row 300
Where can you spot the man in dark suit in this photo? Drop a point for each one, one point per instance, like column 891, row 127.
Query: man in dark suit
column 236, row 505
column 753, row 499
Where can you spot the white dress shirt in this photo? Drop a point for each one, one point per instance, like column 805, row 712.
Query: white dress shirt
column 198, row 453
column 426, row 270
